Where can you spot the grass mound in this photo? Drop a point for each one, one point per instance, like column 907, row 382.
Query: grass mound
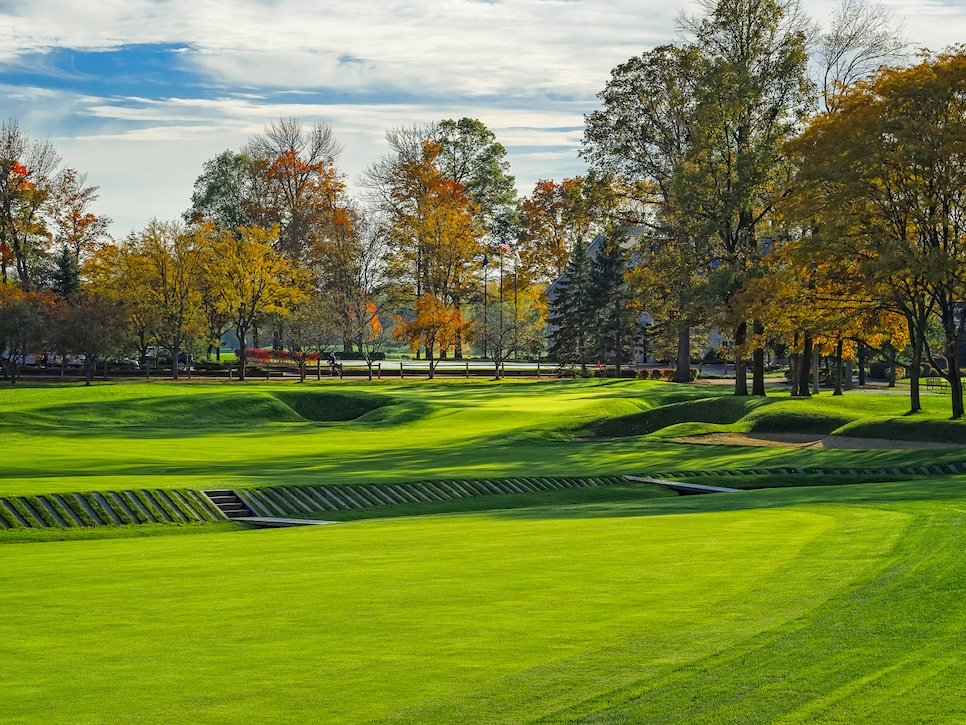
column 907, row 429
column 326, row 407
column 183, row 413
column 717, row 410
column 785, row 419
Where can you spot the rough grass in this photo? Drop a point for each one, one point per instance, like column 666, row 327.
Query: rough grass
column 806, row 605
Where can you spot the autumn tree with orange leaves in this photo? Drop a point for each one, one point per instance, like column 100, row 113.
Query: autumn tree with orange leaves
column 435, row 236
column 27, row 170
column 297, row 186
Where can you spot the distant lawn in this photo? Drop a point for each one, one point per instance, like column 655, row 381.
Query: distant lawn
column 61, row 438
column 836, row 604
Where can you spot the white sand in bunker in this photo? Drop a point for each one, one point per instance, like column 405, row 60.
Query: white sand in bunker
column 806, row 440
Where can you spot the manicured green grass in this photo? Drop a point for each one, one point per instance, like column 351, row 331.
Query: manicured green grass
column 802, row 605
column 618, row 604
column 199, row 435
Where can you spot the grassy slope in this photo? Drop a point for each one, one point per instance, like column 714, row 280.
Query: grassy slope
column 128, row 435
column 818, row 604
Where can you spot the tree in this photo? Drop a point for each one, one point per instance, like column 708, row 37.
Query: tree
column 252, row 279
column 122, row 275
column 66, row 275
column 753, row 92
column 27, row 169
column 93, row 328
column 470, row 155
column 642, row 135
column 75, row 227
column 173, row 266
column 502, row 332
column 433, row 226
column 25, row 326
column 571, row 312
column 554, row 217
column 614, row 316
column 224, row 193
column 885, row 166
column 298, row 187
column 861, row 40
column 313, row 328
column 435, row 323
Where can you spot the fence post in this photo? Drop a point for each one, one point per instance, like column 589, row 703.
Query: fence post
column 400, row 370
column 379, row 370
column 467, row 368
column 538, row 369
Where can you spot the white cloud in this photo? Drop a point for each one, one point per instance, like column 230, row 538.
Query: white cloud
column 529, row 69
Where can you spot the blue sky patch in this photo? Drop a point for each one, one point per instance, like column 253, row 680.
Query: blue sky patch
column 147, row 71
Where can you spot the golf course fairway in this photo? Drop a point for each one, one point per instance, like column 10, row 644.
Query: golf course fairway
column 810, row 597
column 801, row 605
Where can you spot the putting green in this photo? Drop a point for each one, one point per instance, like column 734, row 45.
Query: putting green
column 620, row 610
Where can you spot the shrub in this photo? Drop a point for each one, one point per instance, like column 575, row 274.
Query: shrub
column 880, row 370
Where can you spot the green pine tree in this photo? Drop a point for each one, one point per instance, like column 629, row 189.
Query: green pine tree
column 572, row 312
column 615, row 319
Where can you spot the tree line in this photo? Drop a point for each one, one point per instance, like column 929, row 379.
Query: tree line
column 439, row 254
column 798, row 189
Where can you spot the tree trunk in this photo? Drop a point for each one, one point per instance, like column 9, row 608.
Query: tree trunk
column 175, row 360
column 682, row 372
column 242, row 334
column 838, row 367
column 758, row 362
column 804, row 366
column 816, row 365
column 741, row 367
column 954, row 376
column 862, row 360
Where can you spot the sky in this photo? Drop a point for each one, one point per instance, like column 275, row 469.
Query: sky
column 139, row 93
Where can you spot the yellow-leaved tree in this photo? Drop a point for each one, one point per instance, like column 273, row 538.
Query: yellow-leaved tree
column 252, row 279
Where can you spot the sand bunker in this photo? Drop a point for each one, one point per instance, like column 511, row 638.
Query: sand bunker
column 806, row 440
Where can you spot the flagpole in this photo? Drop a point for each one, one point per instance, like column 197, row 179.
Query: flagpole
column 500, row 338
column 486, row 266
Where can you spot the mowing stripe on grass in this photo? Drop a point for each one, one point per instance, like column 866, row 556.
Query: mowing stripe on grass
column 49, row 513
column 66, row 508
column 346, row 495
column 108, row 509
column 29, row 515
column 87, row 509
column 172, row 510
column 324, row 503
column 144, row 516
column 15, row 512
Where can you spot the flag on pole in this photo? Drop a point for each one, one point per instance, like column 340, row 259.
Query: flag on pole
column 598, row 365
column 486, row 260
column 504, row 245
